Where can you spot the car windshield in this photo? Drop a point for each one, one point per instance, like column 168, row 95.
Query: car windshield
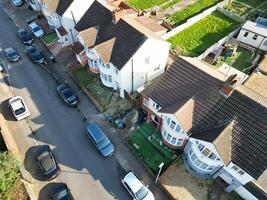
column 47, row 162
column 37, row 55
column 12, row 54
column 141, row 193
column 20, row 111
column 103, row 143
column 68, row 94
column 61, row 194
column 36, row 28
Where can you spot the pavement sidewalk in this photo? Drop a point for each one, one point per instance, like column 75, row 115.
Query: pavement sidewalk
column 124, row 156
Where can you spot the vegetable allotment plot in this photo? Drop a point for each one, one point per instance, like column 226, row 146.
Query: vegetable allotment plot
column 197, row 38
column 145, row 4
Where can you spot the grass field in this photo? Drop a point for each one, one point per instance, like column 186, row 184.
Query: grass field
column 190, row 11
column 146, row 143
column 197, row 38
column 49, row 38
column 145, row 4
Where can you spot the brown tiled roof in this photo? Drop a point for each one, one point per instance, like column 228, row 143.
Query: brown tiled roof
column 258, row 83
column 51, row 5
column 89, row 36
column 105, row 50
column 62, row 31
column 263, row 64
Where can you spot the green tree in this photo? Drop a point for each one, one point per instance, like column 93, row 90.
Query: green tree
column 11, row 187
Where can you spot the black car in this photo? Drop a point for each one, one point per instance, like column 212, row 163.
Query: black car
column 67, row 94
column 47, row 162
column 35, row 54
column 61, row 192
column 25, row 36
column 12, row 54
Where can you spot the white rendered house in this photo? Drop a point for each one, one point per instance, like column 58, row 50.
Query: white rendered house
column 254, row 34
column 122, row 50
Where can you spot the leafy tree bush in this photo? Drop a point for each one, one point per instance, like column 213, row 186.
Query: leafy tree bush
column 11, row 187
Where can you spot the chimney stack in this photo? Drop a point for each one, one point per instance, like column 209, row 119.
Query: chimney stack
column 228, row 85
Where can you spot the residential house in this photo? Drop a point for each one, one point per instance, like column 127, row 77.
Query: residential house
column 221, row 126
column 122, row 50
column 254, row 34
column 53, row 10
column 187, row 91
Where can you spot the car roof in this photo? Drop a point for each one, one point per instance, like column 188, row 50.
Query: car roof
column 95, row 132
column 33, row 24
column 59, row 187
column 16, row 103
column 132, row 181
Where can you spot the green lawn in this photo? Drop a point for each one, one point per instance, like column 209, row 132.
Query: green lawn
column 169, row 4
column 252, row 3
column 241, row 60
column 181, row 16
column 146, row 143
column 49, row 38
column 145, row 4
column 197, row 38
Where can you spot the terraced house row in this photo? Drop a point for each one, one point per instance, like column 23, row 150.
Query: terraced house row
column 211, row 106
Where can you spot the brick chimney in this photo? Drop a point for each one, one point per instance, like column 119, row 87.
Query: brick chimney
column 117, row 14
column 228, row 85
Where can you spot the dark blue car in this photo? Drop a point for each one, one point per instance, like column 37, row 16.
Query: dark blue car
column 67, row 94
column 99, row 139
column 25, row 36
column 61, row 192
column 47, row 162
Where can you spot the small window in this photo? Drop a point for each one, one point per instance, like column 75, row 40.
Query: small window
column 206, row 152
column 246, row 34
column 193, row 157
column 241, row 172
column 234, row 167
column 172, row 125
column 108, row 66
column 173, row 140
column 200, row 147
column 168, row 121
column 198, row 162
column 146, row 103
column 190, row 152
column 164, row 133
column 117, row 71
column 212, row 156
column 255, row 37
column 105, row 77
column 169, row 137
column 178, row 128
column 210, row 168
column 180, row 141
column 66, row 39
column 203, row 166
column 109, row 78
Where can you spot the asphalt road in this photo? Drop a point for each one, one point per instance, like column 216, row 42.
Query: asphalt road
column 86, row 172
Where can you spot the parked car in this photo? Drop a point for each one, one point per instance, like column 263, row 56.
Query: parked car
column 18, row 107
column 12, row 54
column 35, row 54
column 25, row 36
column 61, row 192
column 36, row 30
column 99, row 139
column 67, row 94
column 17, row 2
column 47, row 162
column 136, row 188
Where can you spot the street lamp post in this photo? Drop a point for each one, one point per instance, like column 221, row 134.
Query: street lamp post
column 160, row 168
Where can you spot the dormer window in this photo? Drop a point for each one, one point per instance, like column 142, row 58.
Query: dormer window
column 156, row 106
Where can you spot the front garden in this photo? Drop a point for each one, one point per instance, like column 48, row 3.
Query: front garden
column 181, row 16
column 194, row 40
column 147, row 143
column 50, row 37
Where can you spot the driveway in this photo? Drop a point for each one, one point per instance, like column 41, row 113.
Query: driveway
column 88, row 175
